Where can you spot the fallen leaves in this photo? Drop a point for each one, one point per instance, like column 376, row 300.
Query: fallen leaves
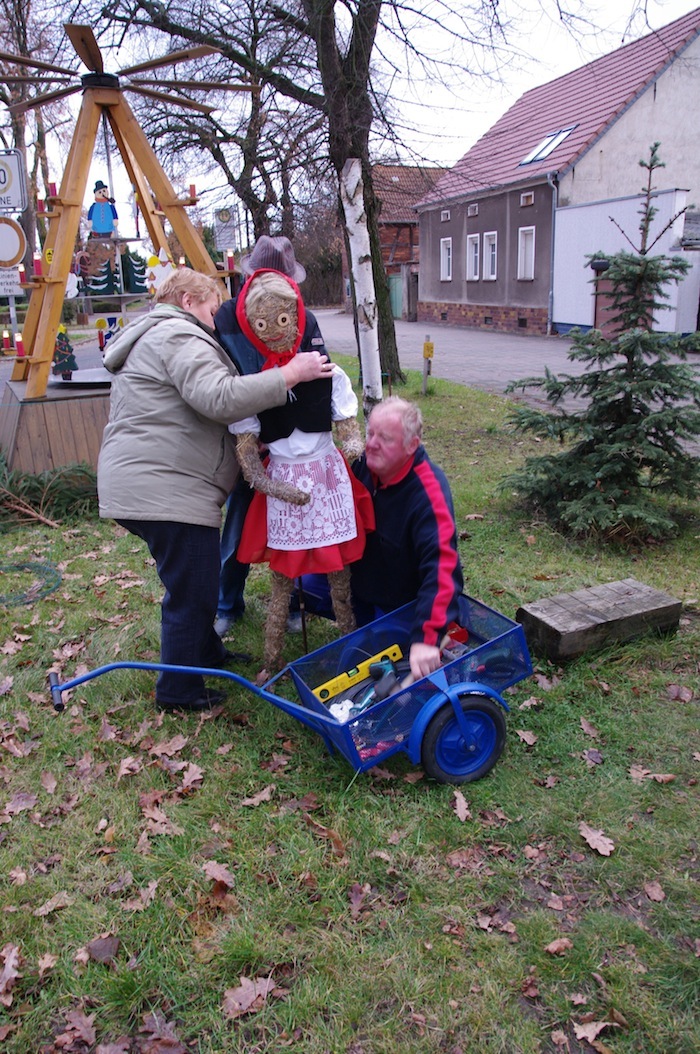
column 249, row 996
column 560, row 946
column 57, row 902
column 11, row 959
column 639, row 774
column 596, row 839
column 461, row 806
column 679, row 693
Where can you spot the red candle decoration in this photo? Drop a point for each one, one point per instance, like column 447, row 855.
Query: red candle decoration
column 37, row 264
column 19, row 345
column 22, row 275
column 229, row 259
column 40, row 205
column 182, row 262
column 52, row 190
column 193, row 190
column 101, row 339
column 5, row 340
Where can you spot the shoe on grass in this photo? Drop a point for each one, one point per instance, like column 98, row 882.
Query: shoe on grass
column 223, row 625
column 209, row 698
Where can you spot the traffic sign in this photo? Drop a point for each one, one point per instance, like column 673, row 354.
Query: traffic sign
column 13, row 242
column 13, row 183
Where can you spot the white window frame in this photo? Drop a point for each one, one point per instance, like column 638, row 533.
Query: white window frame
column 444, row 215
column 473, row 209
column 473, row 257
column 527, row 198
column 445, row 259
column 526, row 254
column 490, row 256
column 548, row 145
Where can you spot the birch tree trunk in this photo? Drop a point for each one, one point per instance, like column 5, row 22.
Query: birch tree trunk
column 352, row 198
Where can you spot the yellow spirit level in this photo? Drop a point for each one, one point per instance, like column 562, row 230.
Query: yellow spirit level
column 343, row 681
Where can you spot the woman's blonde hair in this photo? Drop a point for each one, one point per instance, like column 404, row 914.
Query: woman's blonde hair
column 184, row 280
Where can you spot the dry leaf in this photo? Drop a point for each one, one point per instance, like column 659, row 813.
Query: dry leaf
column 327, row 832
column 11, row 958
column 590, row 1029
column 596, row 839
column 58, row 901
column 527, row 737
column 589, row 729
column 48, row 782
column 461, row 806
column 218, row 873
column 560, row 946
column 261, row 796
column 654, row 891
column 103, row 949
column 248, row 997
column 679, row 692
column 46, row 962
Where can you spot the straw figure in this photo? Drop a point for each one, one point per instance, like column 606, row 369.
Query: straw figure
column 309, row 514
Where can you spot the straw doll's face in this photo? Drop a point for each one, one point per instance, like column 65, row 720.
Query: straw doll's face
column 272, row 312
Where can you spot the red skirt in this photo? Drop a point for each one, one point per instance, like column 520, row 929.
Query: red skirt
column 253, row 547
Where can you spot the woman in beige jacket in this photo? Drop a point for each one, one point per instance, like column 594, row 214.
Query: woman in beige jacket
column 168, row 463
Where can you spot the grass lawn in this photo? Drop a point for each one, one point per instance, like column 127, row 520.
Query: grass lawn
column 221, row 884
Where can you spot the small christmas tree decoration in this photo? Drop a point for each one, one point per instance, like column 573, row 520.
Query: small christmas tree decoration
column 63, row 358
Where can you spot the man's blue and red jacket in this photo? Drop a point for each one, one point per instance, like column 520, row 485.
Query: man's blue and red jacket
column 413, row 551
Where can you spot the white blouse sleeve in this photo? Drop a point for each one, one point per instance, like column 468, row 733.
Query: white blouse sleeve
column 343, row 399
column 248, row 424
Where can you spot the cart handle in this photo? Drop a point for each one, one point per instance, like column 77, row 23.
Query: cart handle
column 57, row 688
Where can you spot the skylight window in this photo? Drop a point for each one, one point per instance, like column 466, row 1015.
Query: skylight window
column 548, row 144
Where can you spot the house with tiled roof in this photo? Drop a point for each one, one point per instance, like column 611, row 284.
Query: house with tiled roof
column 505, row 233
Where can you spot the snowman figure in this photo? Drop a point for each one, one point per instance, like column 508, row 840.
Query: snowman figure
column 102, row 215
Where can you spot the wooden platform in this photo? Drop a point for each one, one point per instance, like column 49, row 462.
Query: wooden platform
column 63, row 428
column 570, row 624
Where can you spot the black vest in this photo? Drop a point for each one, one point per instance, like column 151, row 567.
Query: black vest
column 308, row 408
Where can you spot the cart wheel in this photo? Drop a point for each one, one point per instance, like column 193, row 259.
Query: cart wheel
column 448, row 757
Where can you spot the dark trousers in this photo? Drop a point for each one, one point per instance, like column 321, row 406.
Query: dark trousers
column 231, row 603
column 316, row 595
column 187, row 558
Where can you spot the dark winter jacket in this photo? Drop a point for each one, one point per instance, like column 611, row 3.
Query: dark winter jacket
column 412, row 554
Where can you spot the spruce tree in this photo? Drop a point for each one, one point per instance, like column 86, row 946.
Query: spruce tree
column 639, row 407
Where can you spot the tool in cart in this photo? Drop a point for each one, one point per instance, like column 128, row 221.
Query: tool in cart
column 341, row 683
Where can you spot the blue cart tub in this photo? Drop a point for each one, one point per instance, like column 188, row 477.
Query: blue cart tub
column 357, row 693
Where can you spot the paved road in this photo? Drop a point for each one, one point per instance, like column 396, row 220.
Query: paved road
column 480, row 359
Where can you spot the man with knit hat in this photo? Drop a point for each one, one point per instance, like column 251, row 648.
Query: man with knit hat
column 275, row 254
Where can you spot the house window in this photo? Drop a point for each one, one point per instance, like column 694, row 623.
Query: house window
column 490, row 257
column 473, row 210
column 472, row 257
column 548, row 144
column 444, row 215
column 445, row 259
column 526, row 254
column 528, row 198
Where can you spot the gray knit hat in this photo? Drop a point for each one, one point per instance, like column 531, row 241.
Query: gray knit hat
column 274, row 254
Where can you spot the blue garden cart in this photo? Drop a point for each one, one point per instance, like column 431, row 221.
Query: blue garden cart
column 357, row 695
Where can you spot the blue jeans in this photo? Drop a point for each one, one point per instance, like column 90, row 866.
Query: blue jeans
column 232, row 576
column 187, row 558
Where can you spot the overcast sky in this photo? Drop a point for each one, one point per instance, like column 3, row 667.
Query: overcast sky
column 445, row 124
column 450, row 126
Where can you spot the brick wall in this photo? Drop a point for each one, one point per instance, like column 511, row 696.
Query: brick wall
column 476, row 316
